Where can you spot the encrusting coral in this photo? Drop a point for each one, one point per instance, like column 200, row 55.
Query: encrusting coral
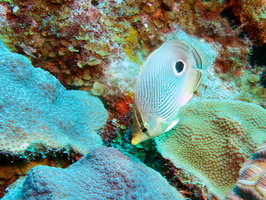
column 68, row 38
column 104, row 173
column 35, row 109
column 251, row 184
column 212, row 140
column 251, row 14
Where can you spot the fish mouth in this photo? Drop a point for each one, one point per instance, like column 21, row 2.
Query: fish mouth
column 144, row 128
column 139, row 138
column 153, row 131
column 140, row 132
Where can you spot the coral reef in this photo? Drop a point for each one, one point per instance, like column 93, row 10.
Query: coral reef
column 213, row 139
column 40, row 121
column 71, row 37
column 105, row 173
column 13, row 168
column 203, row 19
column 251, row 183
column 188, row 185
column 84, row 43
column 251, row 15
column 99, row 45
column 36, row 110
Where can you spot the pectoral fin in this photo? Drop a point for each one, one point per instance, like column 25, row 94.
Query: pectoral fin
column 172, row 125
column 194, row 79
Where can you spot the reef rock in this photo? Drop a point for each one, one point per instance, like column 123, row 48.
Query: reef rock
column 104, row 173
column 36, row 110
column 251, row 184
column 252, row 15
column 213, row 139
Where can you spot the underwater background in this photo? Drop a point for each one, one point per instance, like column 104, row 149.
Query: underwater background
column 67, row 76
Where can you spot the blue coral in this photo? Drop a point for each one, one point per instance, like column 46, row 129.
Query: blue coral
column 36, row 109
column 104, row 173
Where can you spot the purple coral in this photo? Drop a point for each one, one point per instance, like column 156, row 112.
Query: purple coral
column 104, row 173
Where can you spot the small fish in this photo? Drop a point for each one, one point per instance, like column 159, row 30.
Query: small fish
column 166, row 82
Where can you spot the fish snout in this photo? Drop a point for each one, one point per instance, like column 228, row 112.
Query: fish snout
column 148, row 130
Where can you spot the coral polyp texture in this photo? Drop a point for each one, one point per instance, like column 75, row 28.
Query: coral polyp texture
column 213, row 139
column 251, row 184
column 36, row 109
column 104, row 173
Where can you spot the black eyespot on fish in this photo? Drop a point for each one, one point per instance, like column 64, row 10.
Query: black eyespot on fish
column 144, row 130
column 179, row 66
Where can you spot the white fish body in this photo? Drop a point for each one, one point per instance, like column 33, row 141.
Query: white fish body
column 166, row 82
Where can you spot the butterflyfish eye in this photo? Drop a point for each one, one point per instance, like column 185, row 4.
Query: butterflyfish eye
column 179, row 66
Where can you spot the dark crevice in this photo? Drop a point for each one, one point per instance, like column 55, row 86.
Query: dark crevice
column 257, row 59
column 165, row 7
column 229, row 15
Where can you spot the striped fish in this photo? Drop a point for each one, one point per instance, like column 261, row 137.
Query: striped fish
column 166, row 82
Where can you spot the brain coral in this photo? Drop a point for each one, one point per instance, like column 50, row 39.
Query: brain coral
column 36, row 108
column 251, row 184
column 213, row 139
column 104, row 173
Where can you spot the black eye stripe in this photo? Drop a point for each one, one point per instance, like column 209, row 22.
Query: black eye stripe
column 179, row 66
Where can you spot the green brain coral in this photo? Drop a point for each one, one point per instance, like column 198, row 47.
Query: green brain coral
column 213, row 139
